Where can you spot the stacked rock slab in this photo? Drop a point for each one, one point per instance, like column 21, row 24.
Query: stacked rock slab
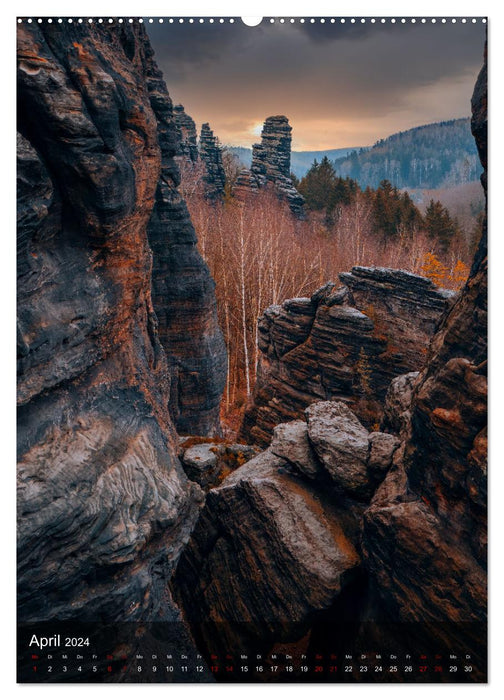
column 211, row 157
column 344, row 343
column 271, row 166
column 104, row 506
column 186, row 128
column 183, row 291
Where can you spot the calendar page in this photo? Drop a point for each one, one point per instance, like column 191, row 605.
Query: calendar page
column 252, row 349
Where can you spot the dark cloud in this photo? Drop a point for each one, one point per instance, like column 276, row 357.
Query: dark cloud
column 329, row 31
column 340, row 85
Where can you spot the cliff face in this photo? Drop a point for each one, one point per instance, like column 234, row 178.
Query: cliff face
column 211, row 156
column 271, row 166
column 188, row 146
column 344, row 343
column 430, row 514
column 182, row 288
column 104, row 507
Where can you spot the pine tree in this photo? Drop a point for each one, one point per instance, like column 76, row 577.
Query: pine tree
column 318, row 183
column 439, row 225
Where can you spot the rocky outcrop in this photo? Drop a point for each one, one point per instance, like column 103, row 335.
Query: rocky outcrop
column 344, row 343
column 104, row 506
column 265, row 558
column 211, row 157
column 208, row 463
column 427, row 523
column 271, row 157
column 186, row 129
column 183, row 292
column 355, row 459
column 271, row 166
column 396, row 410
column 278, row 541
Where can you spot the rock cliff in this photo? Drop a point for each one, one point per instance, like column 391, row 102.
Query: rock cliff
column 104, row 506
column 344, row 343
column 271, row 166
column 211, row 157
column 352, row 539
column 182, row 288
column 428, row 521
column 186, row 128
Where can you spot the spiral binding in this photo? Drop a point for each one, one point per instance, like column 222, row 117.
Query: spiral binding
column 270, row 20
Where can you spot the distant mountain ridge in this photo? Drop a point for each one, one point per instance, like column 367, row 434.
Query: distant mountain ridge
column 300, row 160
column 442, row 154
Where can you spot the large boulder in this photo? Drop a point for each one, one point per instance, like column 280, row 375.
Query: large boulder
column 269, row 553
column 290, row 441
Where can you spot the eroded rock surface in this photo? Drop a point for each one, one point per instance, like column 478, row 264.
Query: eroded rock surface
column 271, row 166
column 188, row 139
column 396, row 415
column 283, row 555
column 211, row 156
column 344, row 343
column 208, row 463
column 278, row 541
column 183, row 291
column 104, row 507
column 427, row 522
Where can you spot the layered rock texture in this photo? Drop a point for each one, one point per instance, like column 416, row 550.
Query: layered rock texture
column 208, row 463
column 344, row 343
column 271, row 166
column 285, row 529
column 182, row 288
column 104, row 506
column 211, row 156
column 186, row 128
column 428, row 520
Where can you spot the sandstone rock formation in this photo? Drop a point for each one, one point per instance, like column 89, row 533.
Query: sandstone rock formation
column 278, row 540
column 208, row 463
column 396, row 413
column 104, row 506
column 429, row 518
column 186, row 129
column 292, row 526
column 354, row 458
column 266, row 557
column 211, row 156
column 344, row 343
column 271, row 166
column 182, row 288
column 245, row 185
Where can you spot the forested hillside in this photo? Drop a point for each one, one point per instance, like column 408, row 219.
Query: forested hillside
column 426, row 157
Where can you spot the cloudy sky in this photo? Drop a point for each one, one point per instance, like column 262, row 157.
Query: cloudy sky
column 339, row 85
